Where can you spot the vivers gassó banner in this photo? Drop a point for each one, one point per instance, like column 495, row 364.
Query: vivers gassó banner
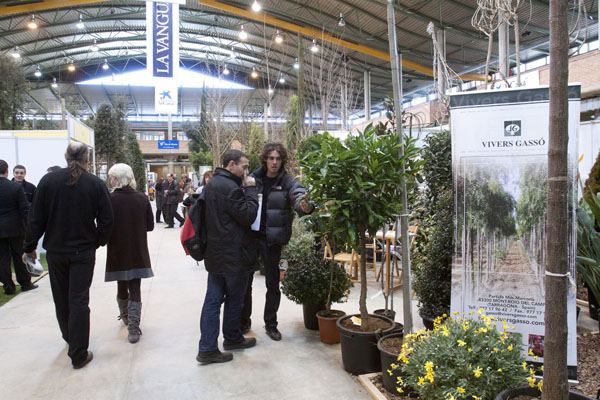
column 162, row 21
column 500, row 167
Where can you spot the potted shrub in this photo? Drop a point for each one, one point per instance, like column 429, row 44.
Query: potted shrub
column 310, row 280
column 357, row 183
column 588, row 249
column 432, row 257
column 462, row 358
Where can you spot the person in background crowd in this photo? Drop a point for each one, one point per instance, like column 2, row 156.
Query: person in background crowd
column 127, row 260
column 72, row 207
column 206, row 177
column 187, row 185
column 19, row 173
column 13, row 216
column 281, row 195
column 172, row 198
column 159, row 197
column 151, row 190
column 53, row 168
column 231, row 206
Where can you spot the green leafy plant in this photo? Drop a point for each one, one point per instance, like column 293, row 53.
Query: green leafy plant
column 588, row 244
column 357, row 183
column 462, row 358
column 301, row 244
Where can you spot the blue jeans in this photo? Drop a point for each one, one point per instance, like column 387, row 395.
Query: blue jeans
column 229, row 289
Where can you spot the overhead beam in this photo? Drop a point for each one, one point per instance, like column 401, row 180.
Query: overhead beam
column 319, row 34
column 44, row 5
column 87, row 103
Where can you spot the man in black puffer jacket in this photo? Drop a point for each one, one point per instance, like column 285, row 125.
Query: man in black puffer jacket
column 231, row 204
column 281, row 195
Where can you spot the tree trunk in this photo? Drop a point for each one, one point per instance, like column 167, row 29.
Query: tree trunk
column 555, row 346
column 363, row 277
column 487, row 59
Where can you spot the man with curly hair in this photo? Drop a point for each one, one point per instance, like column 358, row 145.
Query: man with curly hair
column 282, row 194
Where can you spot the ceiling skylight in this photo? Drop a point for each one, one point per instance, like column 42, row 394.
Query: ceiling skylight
column 187, row 79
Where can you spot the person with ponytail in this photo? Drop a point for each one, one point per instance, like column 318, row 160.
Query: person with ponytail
column 72, row 208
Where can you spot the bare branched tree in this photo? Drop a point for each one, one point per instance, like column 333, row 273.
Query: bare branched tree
column 486, row 18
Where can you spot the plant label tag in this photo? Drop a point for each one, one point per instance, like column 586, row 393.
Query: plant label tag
column 377, row 294
column 356, row 321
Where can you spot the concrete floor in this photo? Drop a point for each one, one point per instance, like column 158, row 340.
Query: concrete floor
column 34, row 362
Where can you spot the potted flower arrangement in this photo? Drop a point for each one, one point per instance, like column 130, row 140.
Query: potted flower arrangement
column 358, row 183
column 310, row 280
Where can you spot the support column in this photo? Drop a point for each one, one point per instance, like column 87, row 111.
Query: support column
column 440, row 37
column 344, row 107
column 266, row 122
column 503, row 49
column 310, row 118
column 171, row 158
column 367, row 96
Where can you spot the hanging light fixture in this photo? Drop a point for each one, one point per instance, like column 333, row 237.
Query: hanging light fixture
column 256, row 7
column 37, row 72
column 254, row 74
column 281, row 79
column 15, row 54
column 80, row 24
column 71, row 67
column 278, row 37
column 54, row 84
column 341, row 22
column 94, row 48
column 296, row 64
column 314, row 48
column 225, row 71
column 32, row 24
column 243, row 35
column 270, row 91
column 105, row 65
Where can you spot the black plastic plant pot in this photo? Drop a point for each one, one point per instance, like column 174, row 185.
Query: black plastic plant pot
column 310, row 315
column 387, row 359
column 534, row 391
column 428, row 322
column 360, row 354
column 391, row 314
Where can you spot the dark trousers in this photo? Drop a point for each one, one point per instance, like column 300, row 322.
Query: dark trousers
column 229, row 289
column 70, row 279
column 270, row 255
column 158, row 210
column 130, row 290
column 12, row 247
column 174, row 214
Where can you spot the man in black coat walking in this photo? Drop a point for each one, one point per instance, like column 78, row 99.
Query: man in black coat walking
column 172, row 198
column 72, row 207
column 13, row 215
column 19, row 173
column 282, row 194
column 231, row 204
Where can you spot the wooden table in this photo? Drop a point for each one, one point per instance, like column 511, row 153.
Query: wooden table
column 389, row 240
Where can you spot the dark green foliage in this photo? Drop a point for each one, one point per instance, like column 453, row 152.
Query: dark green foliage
column 108, row 138
column 293, row 124
column 592, row 185
column 135, row 160
column 12, row 91
column 432, row 257
column 257, row 142
column 201, row 158
column 588, row 245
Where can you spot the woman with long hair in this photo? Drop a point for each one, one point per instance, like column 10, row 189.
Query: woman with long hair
column 128, row 260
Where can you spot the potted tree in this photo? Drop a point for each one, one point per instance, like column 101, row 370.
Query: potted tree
column 310, row 280
column 432, row 258
column 357, row 184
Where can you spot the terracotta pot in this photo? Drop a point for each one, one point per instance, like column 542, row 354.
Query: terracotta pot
column 327, row 326
column 534, row 391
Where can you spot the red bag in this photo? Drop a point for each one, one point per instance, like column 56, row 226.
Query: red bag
column 193, row 234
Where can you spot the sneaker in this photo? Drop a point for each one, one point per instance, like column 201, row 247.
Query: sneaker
column 209, row 357
column 274, row 334
column 31, row 286
column 244, row 344
column 89, row 358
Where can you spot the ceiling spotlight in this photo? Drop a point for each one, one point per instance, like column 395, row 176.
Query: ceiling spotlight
column 314, row 48
column 270, row 91
column 278, row 37
column 281, row 79
column 225, row 71
column 71, row 67
column 341, row 22
column 105, row 65
column 256, row 7
column 54, row 84
column 243, row 35
column 80, row 24
column 32, row 24
column 232, row 54
column 37, row 72
column 15, row 54
column 94, row 47
column 296, row 64
column 254, row 74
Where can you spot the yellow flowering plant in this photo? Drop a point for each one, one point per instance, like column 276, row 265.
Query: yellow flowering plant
column 461, row 358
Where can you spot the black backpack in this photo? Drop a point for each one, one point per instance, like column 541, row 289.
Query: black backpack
column 193, row 235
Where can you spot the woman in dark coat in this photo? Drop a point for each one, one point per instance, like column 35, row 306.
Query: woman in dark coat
column 128, row 260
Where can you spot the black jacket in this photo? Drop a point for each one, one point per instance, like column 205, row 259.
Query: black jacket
column 28, row 188
column 283, row 199
column 173, row 192
column 74, row 217
column 13, row 209
column 230, row 210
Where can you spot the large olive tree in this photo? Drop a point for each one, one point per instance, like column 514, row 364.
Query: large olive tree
column 12, row 90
